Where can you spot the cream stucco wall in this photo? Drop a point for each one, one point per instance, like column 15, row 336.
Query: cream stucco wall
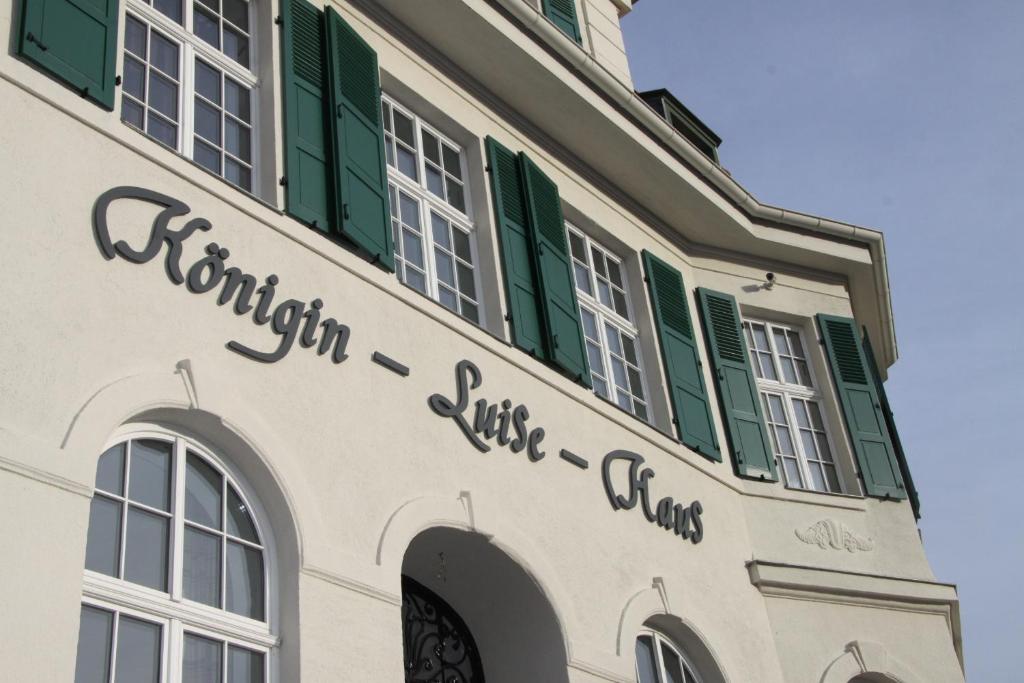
column 348, row 460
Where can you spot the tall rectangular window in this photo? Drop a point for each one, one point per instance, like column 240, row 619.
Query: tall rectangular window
column 435, row 245
column 189, row 81
column 792, row 406
column 613, row 350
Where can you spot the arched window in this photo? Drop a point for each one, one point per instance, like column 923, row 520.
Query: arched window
column 176, row 584
column 658, row 660
column 437, row 644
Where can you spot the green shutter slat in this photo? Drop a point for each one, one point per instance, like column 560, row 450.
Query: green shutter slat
column 562, row 14
column 862, row 409
column 307, row 154
column 508, row 193
column 890, row 422
column 76, row 41
column 357, row 134
column 559, row 307
column 737, row 390
column 680, row 357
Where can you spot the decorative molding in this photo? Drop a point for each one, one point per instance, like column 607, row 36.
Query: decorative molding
column 828, row 533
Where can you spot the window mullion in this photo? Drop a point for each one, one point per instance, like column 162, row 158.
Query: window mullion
column 427, row 236
column 798, row 441
column 113, row 646
column 178, row 522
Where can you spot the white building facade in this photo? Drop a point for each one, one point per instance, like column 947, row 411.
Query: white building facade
column 382, row 340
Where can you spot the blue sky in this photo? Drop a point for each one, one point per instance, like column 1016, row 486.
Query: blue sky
column 907, row 117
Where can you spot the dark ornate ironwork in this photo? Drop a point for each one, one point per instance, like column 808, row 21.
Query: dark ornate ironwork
column 438, row 646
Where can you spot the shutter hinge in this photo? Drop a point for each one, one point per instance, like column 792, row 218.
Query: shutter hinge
column 487, row 168
column 84, row 92
column 283, row 182
column 278, row 20
column 375, row 260
column 554, row 340
column 764, row 478
column 344, row 211
column 508, row 317
column 117, row 80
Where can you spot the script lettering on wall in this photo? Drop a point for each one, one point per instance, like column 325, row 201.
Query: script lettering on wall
column 292, row 320
column 500, row 423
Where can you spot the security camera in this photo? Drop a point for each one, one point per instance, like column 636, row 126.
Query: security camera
column 769, row 280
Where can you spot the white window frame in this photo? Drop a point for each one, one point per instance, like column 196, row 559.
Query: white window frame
column 175, row 613
column 790, row 392
column 607, row 315
column 191, row 46
column 658, row 640
column 428, row 201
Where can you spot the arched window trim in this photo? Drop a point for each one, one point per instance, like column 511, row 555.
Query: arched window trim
column 661, row 639
column 171, row 610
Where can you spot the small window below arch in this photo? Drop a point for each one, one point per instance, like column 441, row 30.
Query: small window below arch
column 176, row 582
column 658, row 660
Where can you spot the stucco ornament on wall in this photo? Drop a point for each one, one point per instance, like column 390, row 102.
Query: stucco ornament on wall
column 828, row 533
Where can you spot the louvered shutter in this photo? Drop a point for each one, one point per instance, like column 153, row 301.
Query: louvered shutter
column 357, row 133
column 737, row 390
column 561, row 312
column 862, row 409
column 307, row 153
column 890, row 422
column 508, row 192
column 76, row 41
column 562, row 14
column 680, row 357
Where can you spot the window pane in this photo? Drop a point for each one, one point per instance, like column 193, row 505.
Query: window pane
column 110, row 470
column 448, row 298
column 134, row 78
column 412, row 247
column 238, row 174
column 788, row 371
column 410, row 211
column 456, row 195
column 767, row 367
column 635, row 386
column 462, row 248
column 445, row 267
column 145, row 557
column 598, row 261
column 614, row 273
column 613, row 339
column 202, row 660
column 237, row 12
column 600, row 387
column 201, row 573
column 801, row 414
column 172, row 8
column 604, row 293
column 785, row 441
column 582, row 278
column 203, row 486
column 236, row 46
column 208, row 81
column 794, row 342
column 163, row 96
column 416, row 280
column 470, row 311
column 164, row 55
column 430, row 147
column 208, row 122
column 673, row 667
column 207, row 156
column 407, row 163
column 95, row 632
column 793, row 477
column 778, row 413
column 817, row 478
column 619, row 372
column 237, row 101
column 162, row 131
column 440, row 229
column 824, row 453
column 452, row 163
column 206, row 27
column 803, row 373
column 466, row 285
column 589, row 325
column 576, row 245
column 150, row 473
column 645, row 662
column 594, row 356
column 244, row 581
column 103, row 548
column 807, row 440
column 135, row 37
column 403, row 129
column 434, row 181
column 760, row 337
column 131, row 113
column 138, row 651
column 240, row 524
column 620, row 303
column 244, row 666
column 629, row 347
column 833, row 480
column 238, row 139
column 781, row 346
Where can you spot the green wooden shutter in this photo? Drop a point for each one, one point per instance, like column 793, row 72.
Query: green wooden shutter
column 681, row 358
column 307, row 154
column 890, row 422
column 862, row 409
column 737, row 390
column 360, row 174
column 562, row 14
column 76, row 41
column 561, row 311
column 508, row 192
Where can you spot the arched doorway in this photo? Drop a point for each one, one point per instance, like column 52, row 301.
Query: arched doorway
column 437, row 645
column 460, row 583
